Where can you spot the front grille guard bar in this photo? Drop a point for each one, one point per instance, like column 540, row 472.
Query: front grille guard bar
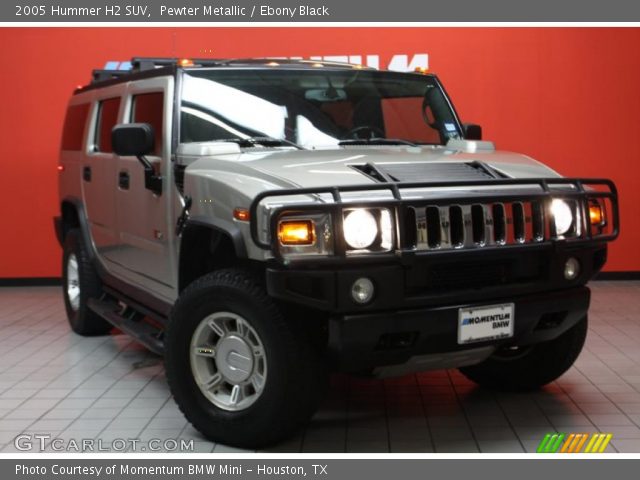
column 578, row 192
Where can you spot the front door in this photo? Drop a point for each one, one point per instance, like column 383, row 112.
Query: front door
column 145, row 243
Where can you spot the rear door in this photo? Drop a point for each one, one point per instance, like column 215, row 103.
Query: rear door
column 97, row 172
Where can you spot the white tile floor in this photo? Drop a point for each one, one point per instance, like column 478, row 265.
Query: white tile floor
column 55, row 382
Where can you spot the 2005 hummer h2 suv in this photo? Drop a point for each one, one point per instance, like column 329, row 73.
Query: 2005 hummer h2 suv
column 262, row 223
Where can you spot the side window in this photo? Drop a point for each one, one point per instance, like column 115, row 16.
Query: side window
column 148, row 108
column 107, row 118
column 74, row 127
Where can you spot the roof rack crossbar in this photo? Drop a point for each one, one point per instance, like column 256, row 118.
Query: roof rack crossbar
column 103, row 75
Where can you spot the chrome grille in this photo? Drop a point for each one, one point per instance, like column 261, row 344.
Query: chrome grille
column 473, row 225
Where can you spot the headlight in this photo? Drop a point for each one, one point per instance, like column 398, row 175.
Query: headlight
column 360, row 229
column 563, row 216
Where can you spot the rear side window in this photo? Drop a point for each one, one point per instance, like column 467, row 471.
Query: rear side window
column 74, row 126
column 148, row 108
column 107, row 118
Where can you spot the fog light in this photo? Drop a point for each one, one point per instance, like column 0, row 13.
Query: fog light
column 362, row 291
column 571, row 268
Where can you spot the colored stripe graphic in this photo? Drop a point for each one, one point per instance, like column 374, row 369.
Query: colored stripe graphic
column 598, row 443
column 605, row 442
column 557, row 444
column 591, row 443
column 580, row 443
column 543, row 443
column 570, row 439
column 573, row 443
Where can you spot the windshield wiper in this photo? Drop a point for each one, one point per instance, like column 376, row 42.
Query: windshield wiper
column 376, row 141
column 265, row 141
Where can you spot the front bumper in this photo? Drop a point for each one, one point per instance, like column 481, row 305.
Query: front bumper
column 413, row 318
column 428, row 280
column 426, row 338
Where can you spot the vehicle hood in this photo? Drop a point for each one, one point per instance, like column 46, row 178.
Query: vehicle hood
column 287, row 168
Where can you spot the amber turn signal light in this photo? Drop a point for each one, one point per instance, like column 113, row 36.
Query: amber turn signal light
column 185, row 62
column 296, row 232
column 241, row 214
column 596, row 214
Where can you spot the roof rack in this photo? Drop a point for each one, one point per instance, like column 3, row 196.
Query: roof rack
column 143, row 64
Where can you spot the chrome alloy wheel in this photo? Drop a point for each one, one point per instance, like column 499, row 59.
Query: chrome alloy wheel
column 73, row 282
column 228, row 361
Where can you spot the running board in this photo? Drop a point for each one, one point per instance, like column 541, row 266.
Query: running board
column 143, row 332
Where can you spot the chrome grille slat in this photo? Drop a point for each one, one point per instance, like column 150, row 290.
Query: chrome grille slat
column 445, row 228
column 478, row 225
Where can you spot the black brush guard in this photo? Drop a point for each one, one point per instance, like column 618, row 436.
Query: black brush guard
column 580, row 190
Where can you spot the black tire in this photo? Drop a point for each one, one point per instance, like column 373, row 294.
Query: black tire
column 295, row 380
column 532, row 367
column 83, row 320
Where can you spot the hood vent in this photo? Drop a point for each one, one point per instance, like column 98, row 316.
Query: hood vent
column 428, row 172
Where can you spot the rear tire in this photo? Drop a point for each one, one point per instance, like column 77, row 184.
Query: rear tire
column 80, row 283
column 236, row 369
column 531, row 367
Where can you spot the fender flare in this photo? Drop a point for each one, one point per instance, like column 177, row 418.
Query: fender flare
column 82, row 221
column 225, row 227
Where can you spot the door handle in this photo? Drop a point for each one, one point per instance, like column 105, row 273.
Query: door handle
column 123, row 180
column 86, row 173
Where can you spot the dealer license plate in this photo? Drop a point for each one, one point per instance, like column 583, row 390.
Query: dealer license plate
column 489, row 322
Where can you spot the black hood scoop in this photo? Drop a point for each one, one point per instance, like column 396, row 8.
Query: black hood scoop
column 428, row 172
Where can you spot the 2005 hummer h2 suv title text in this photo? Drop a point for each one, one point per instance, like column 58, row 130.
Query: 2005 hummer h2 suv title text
column 262, row 223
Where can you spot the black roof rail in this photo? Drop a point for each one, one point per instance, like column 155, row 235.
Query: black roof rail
column 140, row 64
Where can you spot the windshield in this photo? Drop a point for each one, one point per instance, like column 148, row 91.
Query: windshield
column 315, row 108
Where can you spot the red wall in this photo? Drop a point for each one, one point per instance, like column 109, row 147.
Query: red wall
column 569, row 97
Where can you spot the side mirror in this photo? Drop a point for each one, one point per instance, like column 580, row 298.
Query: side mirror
column 133, row 139
column 137, row 140
column 472, row 131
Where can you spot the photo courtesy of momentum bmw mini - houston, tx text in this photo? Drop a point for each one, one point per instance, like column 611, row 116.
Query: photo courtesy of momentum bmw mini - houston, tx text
column 279, row 220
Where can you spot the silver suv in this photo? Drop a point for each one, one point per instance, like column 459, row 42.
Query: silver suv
column 262, row 223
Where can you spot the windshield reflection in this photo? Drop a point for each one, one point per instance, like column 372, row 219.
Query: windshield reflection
column 315, row 109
